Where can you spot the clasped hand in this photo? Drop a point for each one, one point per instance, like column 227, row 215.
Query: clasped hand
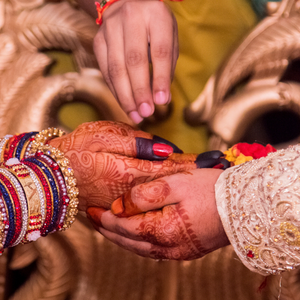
column 164, row 209
column 174, row 217
column 110, row 158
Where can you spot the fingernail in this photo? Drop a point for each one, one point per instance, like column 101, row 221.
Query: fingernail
column 162, row 150
column 145, row 110
column 160, row 98
column 219, row 166
column 117, row 206
column 160, row 140
column 94, row 215
column 135, row 117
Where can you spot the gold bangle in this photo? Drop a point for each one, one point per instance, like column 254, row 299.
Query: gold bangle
column 33, row 201
column 64, row 164
column 70, row 181
column 44, row 136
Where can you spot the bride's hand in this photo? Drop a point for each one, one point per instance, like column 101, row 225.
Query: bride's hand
column 109, row 158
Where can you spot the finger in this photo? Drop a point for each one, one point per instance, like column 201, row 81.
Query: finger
column 124, row 131
column 139, row 247
column 183, row 157
column 156, row 227
column 136, row 53
column 100, row 50
column 175, row 47
column 118, row 128
column 104, row 177
column 162, row 44
column 94, row 214
column 118, row 138
column 163, row 192
column 117, row 71
column 157, row 234
column 129, row 241
column 142, row 248
column 156, row 148
column 101, row 218
column 212, row 159
column 152, row 195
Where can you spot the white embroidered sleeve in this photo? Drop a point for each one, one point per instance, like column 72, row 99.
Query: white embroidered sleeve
column 259, row 205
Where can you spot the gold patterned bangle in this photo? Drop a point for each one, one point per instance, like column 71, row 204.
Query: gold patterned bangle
column 44, row 136
column 70, row 181
column 33, row 201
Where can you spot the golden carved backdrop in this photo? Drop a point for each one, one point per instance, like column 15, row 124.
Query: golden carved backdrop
column 79, row 263
column 260, row 76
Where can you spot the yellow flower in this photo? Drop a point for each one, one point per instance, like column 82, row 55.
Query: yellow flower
column 242, row 159
column 234, row 155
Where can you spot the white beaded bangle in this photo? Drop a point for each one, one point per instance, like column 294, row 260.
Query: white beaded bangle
column 5, row 226
column 3, row 144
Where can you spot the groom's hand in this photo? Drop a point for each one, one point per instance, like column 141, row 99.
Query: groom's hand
column 174, row 217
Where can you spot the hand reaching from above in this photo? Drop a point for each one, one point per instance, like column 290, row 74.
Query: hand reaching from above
column 131, row 33
column 109, row 158
column 174, row 217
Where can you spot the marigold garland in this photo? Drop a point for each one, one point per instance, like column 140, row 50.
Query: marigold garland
column 243, row 152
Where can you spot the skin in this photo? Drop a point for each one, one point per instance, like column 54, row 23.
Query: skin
column 174, row 217
column 134, row 33
column 103, row 156
column 182, row 222
column 159, row 209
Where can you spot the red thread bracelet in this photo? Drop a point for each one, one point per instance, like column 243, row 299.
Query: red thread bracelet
column 101, row 7
column 104, row 4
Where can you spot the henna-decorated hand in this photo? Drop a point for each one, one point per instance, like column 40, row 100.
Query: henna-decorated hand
column 110, row 158
column 174, row 217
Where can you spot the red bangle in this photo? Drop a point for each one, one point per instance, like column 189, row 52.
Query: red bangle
column 101, row 7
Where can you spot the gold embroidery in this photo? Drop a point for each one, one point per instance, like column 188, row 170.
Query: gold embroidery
column 290, row 234
column 251, row 251
column 259, row 204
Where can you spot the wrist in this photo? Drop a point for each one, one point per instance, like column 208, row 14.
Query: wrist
column 219, row 239
column 101, row 8
column 38, row 188
column 108, row 8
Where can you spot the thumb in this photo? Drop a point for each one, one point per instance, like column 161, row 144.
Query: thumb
column 145, row 197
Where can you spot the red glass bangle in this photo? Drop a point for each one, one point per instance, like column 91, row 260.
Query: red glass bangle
column 16, row 205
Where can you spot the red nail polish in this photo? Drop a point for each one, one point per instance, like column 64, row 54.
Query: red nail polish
column 94, row 215
column 162, row 150
column 117, row 207
column 219, row 166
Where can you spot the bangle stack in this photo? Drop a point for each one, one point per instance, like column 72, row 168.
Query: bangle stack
column 38, row 193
